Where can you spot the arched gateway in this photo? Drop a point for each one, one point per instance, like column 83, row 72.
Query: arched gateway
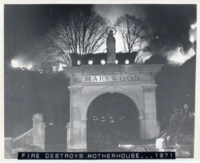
column 87, row 82
column 111, row 118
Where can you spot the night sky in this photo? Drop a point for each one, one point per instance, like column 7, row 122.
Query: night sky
column 27, row 92
column 26, row 26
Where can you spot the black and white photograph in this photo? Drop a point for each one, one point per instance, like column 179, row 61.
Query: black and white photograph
column 100, row 78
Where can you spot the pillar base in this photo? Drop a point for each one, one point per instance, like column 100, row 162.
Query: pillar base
column 111, row 62
column 152, row 132
column 76, row 150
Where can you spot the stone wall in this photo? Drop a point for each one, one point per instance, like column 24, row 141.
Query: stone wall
column 30, row 141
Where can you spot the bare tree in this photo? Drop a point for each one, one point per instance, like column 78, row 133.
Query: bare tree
column 134, row 34
column 56, row 53
column 81, row 33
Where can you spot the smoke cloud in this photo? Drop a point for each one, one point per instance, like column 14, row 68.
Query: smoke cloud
column 169, row 24
column 113, row 12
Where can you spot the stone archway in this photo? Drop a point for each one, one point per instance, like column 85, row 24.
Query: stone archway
column 89, row 82
column 100, row 90
column 111, row 118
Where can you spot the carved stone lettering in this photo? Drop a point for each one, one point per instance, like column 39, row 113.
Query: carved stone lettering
column 111, row 78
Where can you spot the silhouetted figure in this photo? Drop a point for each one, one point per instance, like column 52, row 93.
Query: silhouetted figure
column 110, row 43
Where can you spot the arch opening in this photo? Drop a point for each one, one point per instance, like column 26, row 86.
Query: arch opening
column 111, row 118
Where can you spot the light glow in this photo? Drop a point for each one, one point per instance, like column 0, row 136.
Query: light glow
column 29, row 67
column 78, row 62
column 103, row 62
column 60, row 66
column 193, row 26
column 177, row 57
column 192, row 38
column 15, row 63
column 193, row 32
column 23, row 64
column 127, row 62
column 112, row 119
column 103, row 119
column 90, row 62
column 126, row 145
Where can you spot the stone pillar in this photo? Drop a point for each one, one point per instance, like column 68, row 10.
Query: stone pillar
column 38, row 131
column 75, row 137
column 142, row 127
column 150, row 116
column 84, row 135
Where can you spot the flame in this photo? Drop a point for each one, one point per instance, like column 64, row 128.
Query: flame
column 17, row 63
column 192, row 32
column 29, row 67
column 193, row 26
column 178, row 57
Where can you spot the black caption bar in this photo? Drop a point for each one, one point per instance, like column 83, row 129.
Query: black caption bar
column 95, row 155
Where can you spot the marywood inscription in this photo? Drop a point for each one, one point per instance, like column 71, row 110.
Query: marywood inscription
column 110, row 78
